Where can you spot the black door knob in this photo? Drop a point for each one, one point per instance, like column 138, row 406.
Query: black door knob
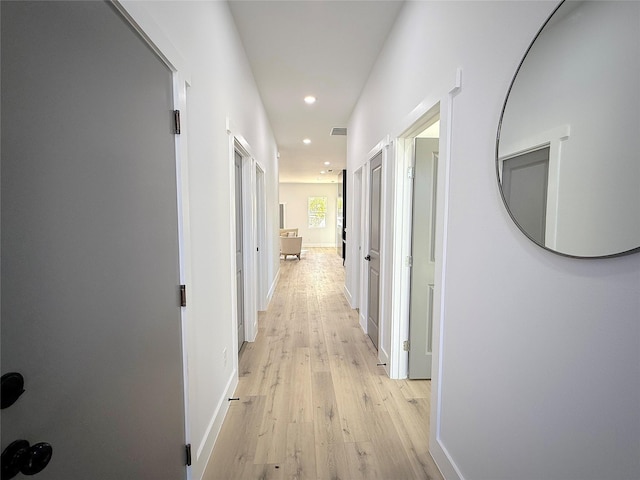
column 12, row 386
column 367, row 258
column 20, row 457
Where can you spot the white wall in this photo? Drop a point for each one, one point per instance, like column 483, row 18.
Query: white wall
column 222, row 87
column 295, row 196
column 583, row 74
column 540, row 359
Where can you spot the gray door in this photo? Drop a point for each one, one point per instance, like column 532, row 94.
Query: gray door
column 423, row 257
column 524, row 183
column 239, row 249
column 373, row 257
column 90, row 294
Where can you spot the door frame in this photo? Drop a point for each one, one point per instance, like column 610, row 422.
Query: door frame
column 150, row 32
column 386, row 231
column 239, row 211
column 354, row 243
column 554, row 139
column 401, row 249
column 254, row 274
column 405, row 153
column 261, row 239
column 403, row 231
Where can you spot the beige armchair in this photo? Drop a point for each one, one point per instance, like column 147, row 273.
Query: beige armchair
column 290, row 246
column 288, row 232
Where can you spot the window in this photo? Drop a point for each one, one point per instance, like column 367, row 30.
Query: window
column 317, row 212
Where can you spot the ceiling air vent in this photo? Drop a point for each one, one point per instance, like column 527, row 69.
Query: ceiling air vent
column 338, row 131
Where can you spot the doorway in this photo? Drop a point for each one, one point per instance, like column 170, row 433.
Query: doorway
column 525, row 179
column 261, row 249
column 423, row 230
column 420, row 209
column 239, row 248
column 373, row 254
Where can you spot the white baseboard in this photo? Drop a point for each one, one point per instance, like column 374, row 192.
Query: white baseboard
column 347, row 295
column 443, row 461
column 205, row 447
column 272, row 288
column 363, row 323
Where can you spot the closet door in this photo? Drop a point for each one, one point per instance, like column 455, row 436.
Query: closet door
column 90, row 284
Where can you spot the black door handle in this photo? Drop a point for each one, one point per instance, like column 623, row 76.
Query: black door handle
column 12, row 387
column 20, row 457
column 367, row 258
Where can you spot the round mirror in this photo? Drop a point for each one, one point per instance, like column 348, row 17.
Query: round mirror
column 568, row 149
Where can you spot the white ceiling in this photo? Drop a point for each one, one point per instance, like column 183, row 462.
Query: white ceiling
column 312, row 47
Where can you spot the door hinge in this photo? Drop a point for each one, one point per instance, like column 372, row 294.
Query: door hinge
column 188, row 450
column 406, row 345
column 176, row 121
column 408, row 262
column 183, row 295
column 411, row 172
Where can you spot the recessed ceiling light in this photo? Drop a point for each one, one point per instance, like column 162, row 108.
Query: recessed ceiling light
column 310, row 99
column 306, row 141
column 323, row 172
column 327, row 163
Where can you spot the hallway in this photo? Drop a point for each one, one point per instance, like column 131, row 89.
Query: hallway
column 312, row 402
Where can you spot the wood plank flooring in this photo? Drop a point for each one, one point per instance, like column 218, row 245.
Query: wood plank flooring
column 313, row 404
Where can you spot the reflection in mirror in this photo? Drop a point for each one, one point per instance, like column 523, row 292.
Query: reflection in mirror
column 568, row 152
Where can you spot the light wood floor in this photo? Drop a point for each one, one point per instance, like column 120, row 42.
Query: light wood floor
column 313, row 404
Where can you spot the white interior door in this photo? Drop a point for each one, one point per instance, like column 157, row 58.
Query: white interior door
column 423, row 257
column 90, row 274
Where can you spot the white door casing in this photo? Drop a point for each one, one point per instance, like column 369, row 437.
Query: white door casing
column 239, row 205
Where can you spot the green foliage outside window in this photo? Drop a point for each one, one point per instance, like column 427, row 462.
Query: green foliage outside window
column 317, row 212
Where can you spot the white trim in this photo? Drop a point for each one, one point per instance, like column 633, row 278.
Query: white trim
column 232, row 253
column 141, row 21
column 272, row 288
column 437, row 448
column 421, row 116
column 347, row 294
column 238, row 143
column 402, row 248
column 363, row 322
column 249, row 242
column 184, row 242
column 261, row 240
column 205, row 448
column 354, row 237
column 386, row 239
column 364, row 282
column 138, row 16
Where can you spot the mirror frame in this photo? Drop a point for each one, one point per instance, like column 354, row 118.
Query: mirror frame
column 497, row 158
